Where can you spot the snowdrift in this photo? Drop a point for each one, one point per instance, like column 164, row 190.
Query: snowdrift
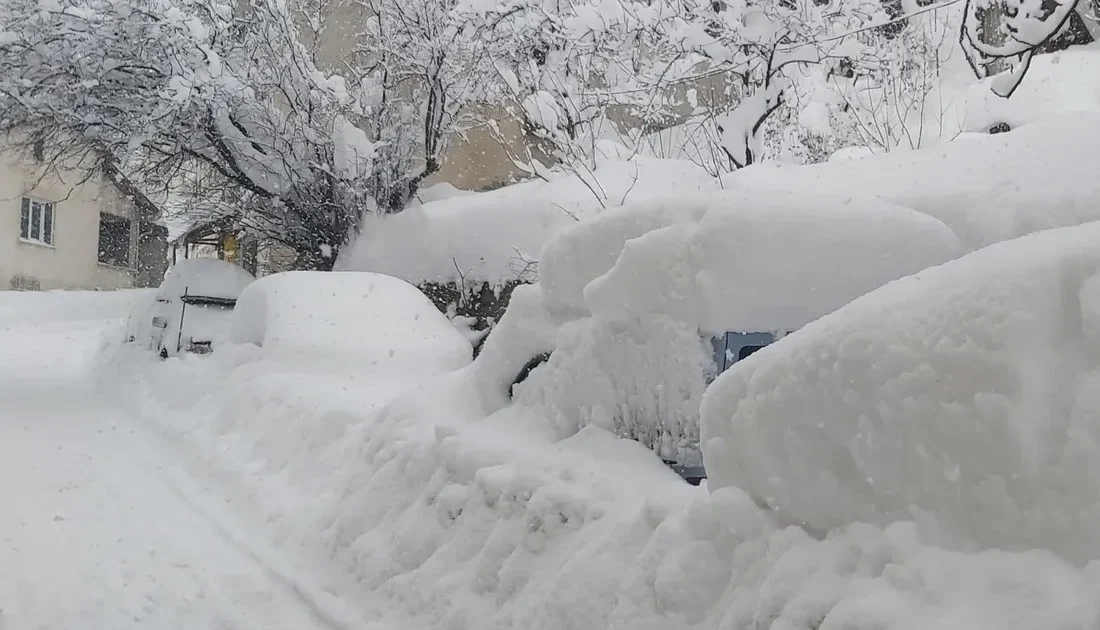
column 964, row 397
column 986, row 189
column 20, row 308
column 495, row 236
column 1058, row 83
column 450, row 519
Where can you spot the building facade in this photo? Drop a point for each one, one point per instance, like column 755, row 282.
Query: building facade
column 57, row 234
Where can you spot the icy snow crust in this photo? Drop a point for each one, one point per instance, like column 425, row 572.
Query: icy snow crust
column 464, row 514
column 965, row 397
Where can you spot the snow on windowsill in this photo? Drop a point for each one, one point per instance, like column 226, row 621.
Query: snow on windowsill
column 27, row 241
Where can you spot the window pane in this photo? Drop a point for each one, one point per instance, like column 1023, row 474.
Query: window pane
column 114, row 240
column 47, row 223
column 25, row 218
column 746, row 352
column 36, row 221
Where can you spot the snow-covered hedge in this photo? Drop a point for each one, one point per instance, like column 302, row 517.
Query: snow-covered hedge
column 987, row 189
column 966, row 397
column 496, row 236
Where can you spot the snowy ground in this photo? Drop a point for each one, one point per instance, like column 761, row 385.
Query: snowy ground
column 101, row 528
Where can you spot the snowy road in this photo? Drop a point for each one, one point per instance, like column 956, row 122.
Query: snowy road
column 98, row 527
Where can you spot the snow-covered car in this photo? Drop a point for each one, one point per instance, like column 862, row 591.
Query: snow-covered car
column 642, row 307
column 193, row 306
column 368, row 320
column 964, row 395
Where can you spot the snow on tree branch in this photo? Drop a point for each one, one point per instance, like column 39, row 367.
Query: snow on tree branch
column 166, row 87
column 996, row 33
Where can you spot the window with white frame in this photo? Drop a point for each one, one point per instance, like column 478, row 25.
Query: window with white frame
column 36, row 221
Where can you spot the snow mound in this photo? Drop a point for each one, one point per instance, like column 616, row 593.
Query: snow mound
column 768, row 261
column 963, row 397
column 449, row 517
column 208, row 277
column 1058, row 83
column 646, row 285
column 753, row 260
column 990, row 189
column 23, row 308
column 362, row 316
column 496, row 236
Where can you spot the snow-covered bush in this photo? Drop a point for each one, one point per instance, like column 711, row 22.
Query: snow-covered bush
column 986, row 189
column 963, row 397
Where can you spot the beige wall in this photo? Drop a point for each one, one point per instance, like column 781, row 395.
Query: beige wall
column 72, row 261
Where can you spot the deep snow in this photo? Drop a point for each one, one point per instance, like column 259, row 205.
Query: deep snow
column 964, row 397
column 101, row 527
column 460, row 511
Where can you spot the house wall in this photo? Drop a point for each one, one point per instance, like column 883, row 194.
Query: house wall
column 72, row 261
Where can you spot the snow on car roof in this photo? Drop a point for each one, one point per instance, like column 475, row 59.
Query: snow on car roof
column 208, row 277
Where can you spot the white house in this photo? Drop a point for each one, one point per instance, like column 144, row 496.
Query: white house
column 58, row 234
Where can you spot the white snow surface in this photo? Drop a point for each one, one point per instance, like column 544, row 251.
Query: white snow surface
column 1036, row 177
column 365, row 317
column 647, row 285
column 1064, row 82
column 101, row 526
column 748, row 261
column 452, row 511
column 963, row 398
column 495, row 236
column 208, row 277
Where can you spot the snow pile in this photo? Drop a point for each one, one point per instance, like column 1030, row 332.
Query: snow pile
column 990, row 189
column 449, row 517
column 364, row 317
column 54, row 334
column 23, row 308
column 496, row 236
column 964, row 397
column 1057, row 83
column 649, row 283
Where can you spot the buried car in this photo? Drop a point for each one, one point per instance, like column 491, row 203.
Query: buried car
column 642, row 307
column 192, row 308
